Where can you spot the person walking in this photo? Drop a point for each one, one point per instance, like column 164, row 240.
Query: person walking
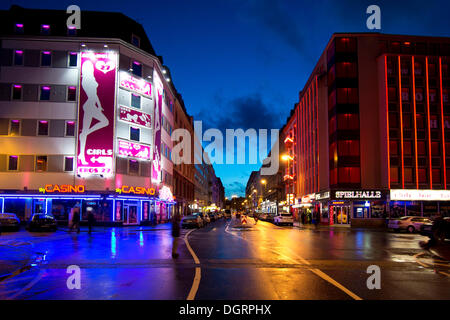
column 91, row 219
column 75, row 220
column 175, row 234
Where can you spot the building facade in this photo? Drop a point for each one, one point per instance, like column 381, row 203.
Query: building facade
column 85, row 119
column 371, row 140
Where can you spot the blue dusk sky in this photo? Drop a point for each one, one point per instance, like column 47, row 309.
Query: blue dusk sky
column 241, row 64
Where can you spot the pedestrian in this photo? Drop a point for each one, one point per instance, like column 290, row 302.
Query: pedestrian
column 90, row 218
column 75, row 220
column 175, row 234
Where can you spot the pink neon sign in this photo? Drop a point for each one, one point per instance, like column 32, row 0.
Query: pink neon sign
column 135, row 150
column 96, row 113
column 135, row 117
column 138, row 85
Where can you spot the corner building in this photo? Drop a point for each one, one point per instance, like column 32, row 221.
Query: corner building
column 85, row 119
column 372, row 130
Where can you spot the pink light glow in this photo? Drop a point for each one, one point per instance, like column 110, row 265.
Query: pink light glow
column 17, row 86
column 19, row 52
column 19, row 25
column 72, row 88
column 45, row 26
column 46, row 88
column 134, row 150
column 74, row 53
column 136, row 63
column 15, row 121
column 70, row 122
column 138, row 85
column 46, row 52
column 43, row 121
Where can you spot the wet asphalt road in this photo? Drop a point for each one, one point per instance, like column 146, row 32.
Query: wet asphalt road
column 265, row 262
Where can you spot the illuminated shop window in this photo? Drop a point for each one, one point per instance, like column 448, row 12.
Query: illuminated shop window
column 42, row 128
column 17, row 92
column 135, row 40
column 46, row 59
column 45, row 93
column 137, row 68
column 41, row 163
column 14, row 127
column 68, row 164
column 70, row 128
column 18, row 57
column 13, row 163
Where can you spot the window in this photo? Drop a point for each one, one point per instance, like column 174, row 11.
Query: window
column 435, row 150
column 73, row 59
column 348, row 122
column 409, row 175
column 45, row 93
column 70, row 128
column 68, row 164
column 422, row 175
column 42, row 128
column 421, row 150
column 345, row 44
column 135, row 40
column 436, row 176
column 347, row 95
column 137, row 68
column 45, row 29
column 17, row 92
column 393, row 120
column 41, row 163
column 348, row 148
column 394, row 175
column 46, row 59
column 405, row 94
column 133, row 167
column 346, row 70
column 407, row 148
column 332, row 125
column 418, row 69
column 332, row 100
column 71, row 93
column 135, row 101
column 393, row 148
column 134, row 134
column 18, row 28
column 18, row 58
column 392, row 93
column 71, row 31
column 14, row 127
column 13, row 163
column 349, row 175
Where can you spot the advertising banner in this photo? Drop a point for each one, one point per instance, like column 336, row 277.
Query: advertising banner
column 96, row 113
column 134, row 84
column 156, row 162
column 135, row 117
column 135, row 150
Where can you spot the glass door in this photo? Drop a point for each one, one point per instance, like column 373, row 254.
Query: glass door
column 130, row 214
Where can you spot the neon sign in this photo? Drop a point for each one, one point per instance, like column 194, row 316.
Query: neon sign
column 135, row 150
column 135, row 117
column 358, row 194
column 136, row 190
column 63, row 188
column 425, row 195
column 165, row 194
column 138, row 85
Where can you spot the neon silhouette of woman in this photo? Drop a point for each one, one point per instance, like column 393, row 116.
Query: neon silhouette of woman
column 92, row 108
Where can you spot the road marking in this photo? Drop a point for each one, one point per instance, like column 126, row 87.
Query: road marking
column 28, row 286
column 198, row 271
column 316, row 271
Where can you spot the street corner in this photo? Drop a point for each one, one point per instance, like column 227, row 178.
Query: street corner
column 14, row 256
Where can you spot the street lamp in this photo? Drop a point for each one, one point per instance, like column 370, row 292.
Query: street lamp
column 264, row 182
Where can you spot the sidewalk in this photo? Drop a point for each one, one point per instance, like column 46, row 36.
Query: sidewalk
column 320, row 226
column 14, row 255
column 161, row 226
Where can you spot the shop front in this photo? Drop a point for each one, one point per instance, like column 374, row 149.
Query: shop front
column 356, row 208
column 421, row 203
column 126, row 206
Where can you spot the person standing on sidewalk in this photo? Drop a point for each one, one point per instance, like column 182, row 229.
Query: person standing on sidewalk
column 175, row 234
column 75, row 220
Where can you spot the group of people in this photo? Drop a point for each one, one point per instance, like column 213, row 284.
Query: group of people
column 76, row 218
column 309, row 217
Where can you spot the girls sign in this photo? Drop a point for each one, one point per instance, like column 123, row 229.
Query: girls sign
column 135, row 150
column 96, row 113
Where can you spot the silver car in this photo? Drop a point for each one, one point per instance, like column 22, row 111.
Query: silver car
column 9, row 221
column 408, row 223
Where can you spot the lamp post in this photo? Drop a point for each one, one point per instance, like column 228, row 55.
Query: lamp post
column 263, row 182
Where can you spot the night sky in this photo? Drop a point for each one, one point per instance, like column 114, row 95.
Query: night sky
column 241, row 64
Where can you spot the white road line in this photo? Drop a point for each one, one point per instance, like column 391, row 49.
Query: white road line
column 198, row 271
column 316, row 271
column 28, row 286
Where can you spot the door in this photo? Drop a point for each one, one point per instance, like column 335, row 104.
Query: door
column 130, row 214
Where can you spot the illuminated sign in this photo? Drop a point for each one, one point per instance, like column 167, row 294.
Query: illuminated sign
column 95, row 138
column 290, row 198
column 308, row 198
column 135, row 117
column 136, row 190
column 165, row 194
column 156, row 162
column 424, row 195
column 323, row 195
column 135, row 150
column 358, row 194
column 137, row 85
column 62, row 188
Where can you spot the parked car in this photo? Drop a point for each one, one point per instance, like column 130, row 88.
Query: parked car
column 408, row 223
column 284, row 218
column 192, row 221
column 437, row 230
column 206, row 218
column 263, row 216
column 212, row 216
column 270, row 217
column 9, row 221
column 42, row 221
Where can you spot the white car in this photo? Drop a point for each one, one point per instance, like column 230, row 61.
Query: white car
column 408, row 223
column 284, row 218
